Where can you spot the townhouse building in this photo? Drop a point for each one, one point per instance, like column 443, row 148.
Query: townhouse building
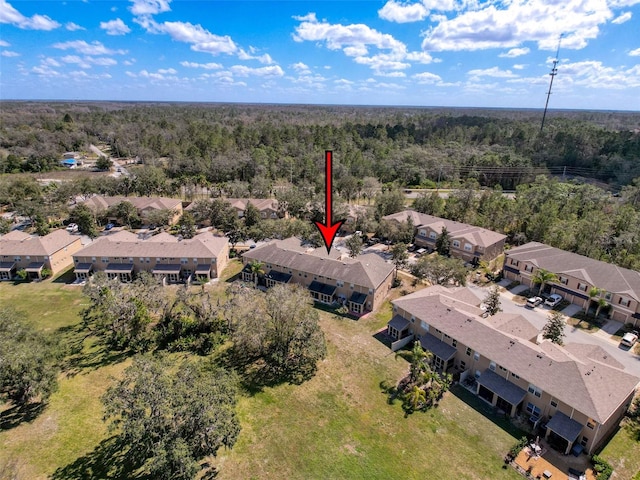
column 267, row 207
column 360, row 283
column 122, row 255
column 575, row 395
column 468, row 242
column 143, row 205
column 576, row 277
column 33, row 253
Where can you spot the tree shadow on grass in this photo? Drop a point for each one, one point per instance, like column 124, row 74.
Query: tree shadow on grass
column 18, row 414
column 106, row 461
column 82, row 357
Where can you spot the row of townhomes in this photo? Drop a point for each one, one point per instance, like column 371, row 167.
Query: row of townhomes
column 100, row 204
column 122, row 255
column 468, row 242
column 21, row 251
column 576, row 395
column 576, row 277
column 360, row 283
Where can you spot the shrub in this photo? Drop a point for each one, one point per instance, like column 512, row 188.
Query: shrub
column 515, row 450
column 601, row 467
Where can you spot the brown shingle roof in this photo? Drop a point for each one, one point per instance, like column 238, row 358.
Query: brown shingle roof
column 591, row 387
column 476, row 235
column 100, row 202
column 603, row 275
column 203, row 245
column 368, row 270
column 23, row 244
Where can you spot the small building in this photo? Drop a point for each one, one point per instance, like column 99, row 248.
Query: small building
column 360, row 283
column 468, row 242
column 577, row 275
column 122, row 255
column 19, row 250
column 268, row 207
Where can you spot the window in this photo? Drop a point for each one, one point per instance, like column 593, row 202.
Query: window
column 424, row 325
column 625, row 302
column 528, row 268
column 455, row 244
column 584, row 441
column 195, row 260
column 339, row 283
column 16, row 259
column 28, row 257
column 463, row 364
column 535, row 390
column 447, row 336
column 413, row 319
column 515, row 263
column 468, row 352
column 105, row 259
column 607, row 296
column 351, row 286
column 468, row 247
column 454, row 342
column 183, row 261
column 371, row 291
column 433, row 235
column 553, row 403
column 532, row 409
column 423, row 233
column 591, row 424
column 563, row 280
column 582, row 286
column 476, row 356
column 93, row 259
column 492, row 366
column 515, row 376
column 502, row 369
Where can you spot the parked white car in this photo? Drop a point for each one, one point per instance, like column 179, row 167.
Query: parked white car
column 553, row 300
column 533, row 302
column 72, row 227
column 629, row 339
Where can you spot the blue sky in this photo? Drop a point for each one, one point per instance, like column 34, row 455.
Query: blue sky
column 425, row 53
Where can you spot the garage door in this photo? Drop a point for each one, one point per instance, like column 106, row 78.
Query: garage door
column 619, row 316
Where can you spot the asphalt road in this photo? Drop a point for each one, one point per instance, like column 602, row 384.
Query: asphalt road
column 539, row 316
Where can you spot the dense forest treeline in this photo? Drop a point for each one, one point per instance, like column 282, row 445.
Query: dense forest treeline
column 410, row 146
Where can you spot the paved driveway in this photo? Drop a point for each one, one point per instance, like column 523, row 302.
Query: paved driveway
column 538, row 317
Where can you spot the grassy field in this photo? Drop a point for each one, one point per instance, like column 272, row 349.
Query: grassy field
column 337, row 425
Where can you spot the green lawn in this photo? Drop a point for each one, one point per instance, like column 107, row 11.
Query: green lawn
column 623, row 453
column 337, row 425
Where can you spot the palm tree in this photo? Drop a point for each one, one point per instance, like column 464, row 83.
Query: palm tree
column 593, row 293
column 257, row 269
column 543, row 277
column 418, row 358
column 601, row 304
column 416, row 398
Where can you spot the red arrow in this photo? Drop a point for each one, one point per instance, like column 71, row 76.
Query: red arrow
column 328, row 230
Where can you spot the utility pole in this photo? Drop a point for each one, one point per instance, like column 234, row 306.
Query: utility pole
column 554, row 72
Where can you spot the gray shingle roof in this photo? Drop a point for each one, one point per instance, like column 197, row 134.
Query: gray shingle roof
column 593, row 388
column 100, row 202
column 603, row 275
column 368, row 270
column 476, row 235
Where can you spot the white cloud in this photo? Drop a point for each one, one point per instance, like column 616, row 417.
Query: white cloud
column 427, row 77
column 403, row 12
column 392, row 74
column 301, row 68
column 149, row 7
column 94, row 48
column 244, row 71
column 593, row 74
column 73, row 27
column 635, row 53
column 4, row 44
column 51, row 62
column 9, row 53
column 509, row 24
column 492, row 72
column 87, row 62
column 115, row 27
column 129, row 62
column 356, row 40
column 626, row 16
column 10, row 15
column 515, row 52
column 206, row 66
column 45, row 71
column 201, row 40
column 264, row 59
column 165, row 71
column 519, row 66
